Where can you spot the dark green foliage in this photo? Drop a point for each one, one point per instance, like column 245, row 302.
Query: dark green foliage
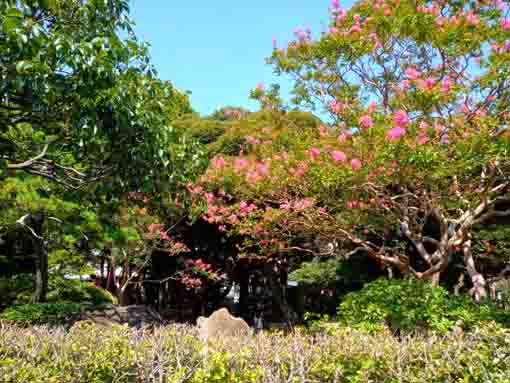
column 411, row 304
column 78, row 292
column 40, row 313
column 16, row 289
column 203, row 130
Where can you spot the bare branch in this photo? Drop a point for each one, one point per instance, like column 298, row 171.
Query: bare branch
column 28, row 163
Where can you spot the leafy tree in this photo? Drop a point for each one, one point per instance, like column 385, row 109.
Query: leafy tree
column 416, row 154
column 81, row 107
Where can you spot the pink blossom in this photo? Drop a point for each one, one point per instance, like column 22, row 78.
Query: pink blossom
column 209, row 197
column 335, row 4
column 260, row 86
column 275, row 43
column 262, row 168
column 465, row 109
column 253, row 176
column 240, row 164
column 252, row 140
column 366, row 121
column 396, row 133
column 333, row 30
column 219, row 162
column 356, row 28
column 372, row 107
column 304, row 203
column 285, row 206
column 446, row 85
column 472, row 19
column 314, row 153
column 338, row 156
column 194, row 189
column 401, row 118
column 164, row 235
column 441, row 21
column 355, row 164
column 337, row 107
column 505, row 24
column 423, row 125
column 423, row 138
column 341, row 16
column 426, row 84
column 412, row 74
column 406, row 84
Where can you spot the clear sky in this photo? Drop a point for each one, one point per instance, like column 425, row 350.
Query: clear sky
column 217, row 49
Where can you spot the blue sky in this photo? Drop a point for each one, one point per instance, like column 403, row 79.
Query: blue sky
column 217, row 49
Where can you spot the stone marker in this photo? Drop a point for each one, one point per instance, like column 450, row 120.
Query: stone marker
column 221, row 323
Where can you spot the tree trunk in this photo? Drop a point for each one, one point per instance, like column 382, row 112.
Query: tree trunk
column 479, row 289
column 41, row 271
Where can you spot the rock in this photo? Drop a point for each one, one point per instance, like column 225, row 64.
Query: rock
column 222, row 323
column 135, row 316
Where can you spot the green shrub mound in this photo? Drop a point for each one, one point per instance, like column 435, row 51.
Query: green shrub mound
column 65, row 297
column 78, row 291
column 93, row 354
column 18, row 290
column 409, row 305
column 40, row 313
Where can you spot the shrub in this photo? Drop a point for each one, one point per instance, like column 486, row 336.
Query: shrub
column 316, row 273
column 89, row 353
column 40, row 313
column 410, row 304
column 77, row 291
column 16, row 289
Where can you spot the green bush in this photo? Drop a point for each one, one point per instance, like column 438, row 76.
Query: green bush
column 40, row 313
column 316, row 273
column 411, row 304
column 77, row 291
column 16, row 289
column 90, row 353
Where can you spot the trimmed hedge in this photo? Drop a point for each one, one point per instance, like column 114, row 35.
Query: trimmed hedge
column 88, row 353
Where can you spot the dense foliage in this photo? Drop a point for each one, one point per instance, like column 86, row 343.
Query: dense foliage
column 94, row 354
column 409, row 305
column 106, row 168
column 83, row 120
column 413, row 161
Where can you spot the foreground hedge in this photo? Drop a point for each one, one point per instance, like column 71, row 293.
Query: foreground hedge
column 88, row 353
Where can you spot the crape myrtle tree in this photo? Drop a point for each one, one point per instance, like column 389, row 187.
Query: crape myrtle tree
column 417, row 152
column 81, row 109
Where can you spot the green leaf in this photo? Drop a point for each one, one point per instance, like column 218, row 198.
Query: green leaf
column 14, row 12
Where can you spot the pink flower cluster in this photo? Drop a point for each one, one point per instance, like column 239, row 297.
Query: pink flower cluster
column 298, row 205
column 400, row 119
column 338, row 107
column 158, row 229
column 303, row 35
